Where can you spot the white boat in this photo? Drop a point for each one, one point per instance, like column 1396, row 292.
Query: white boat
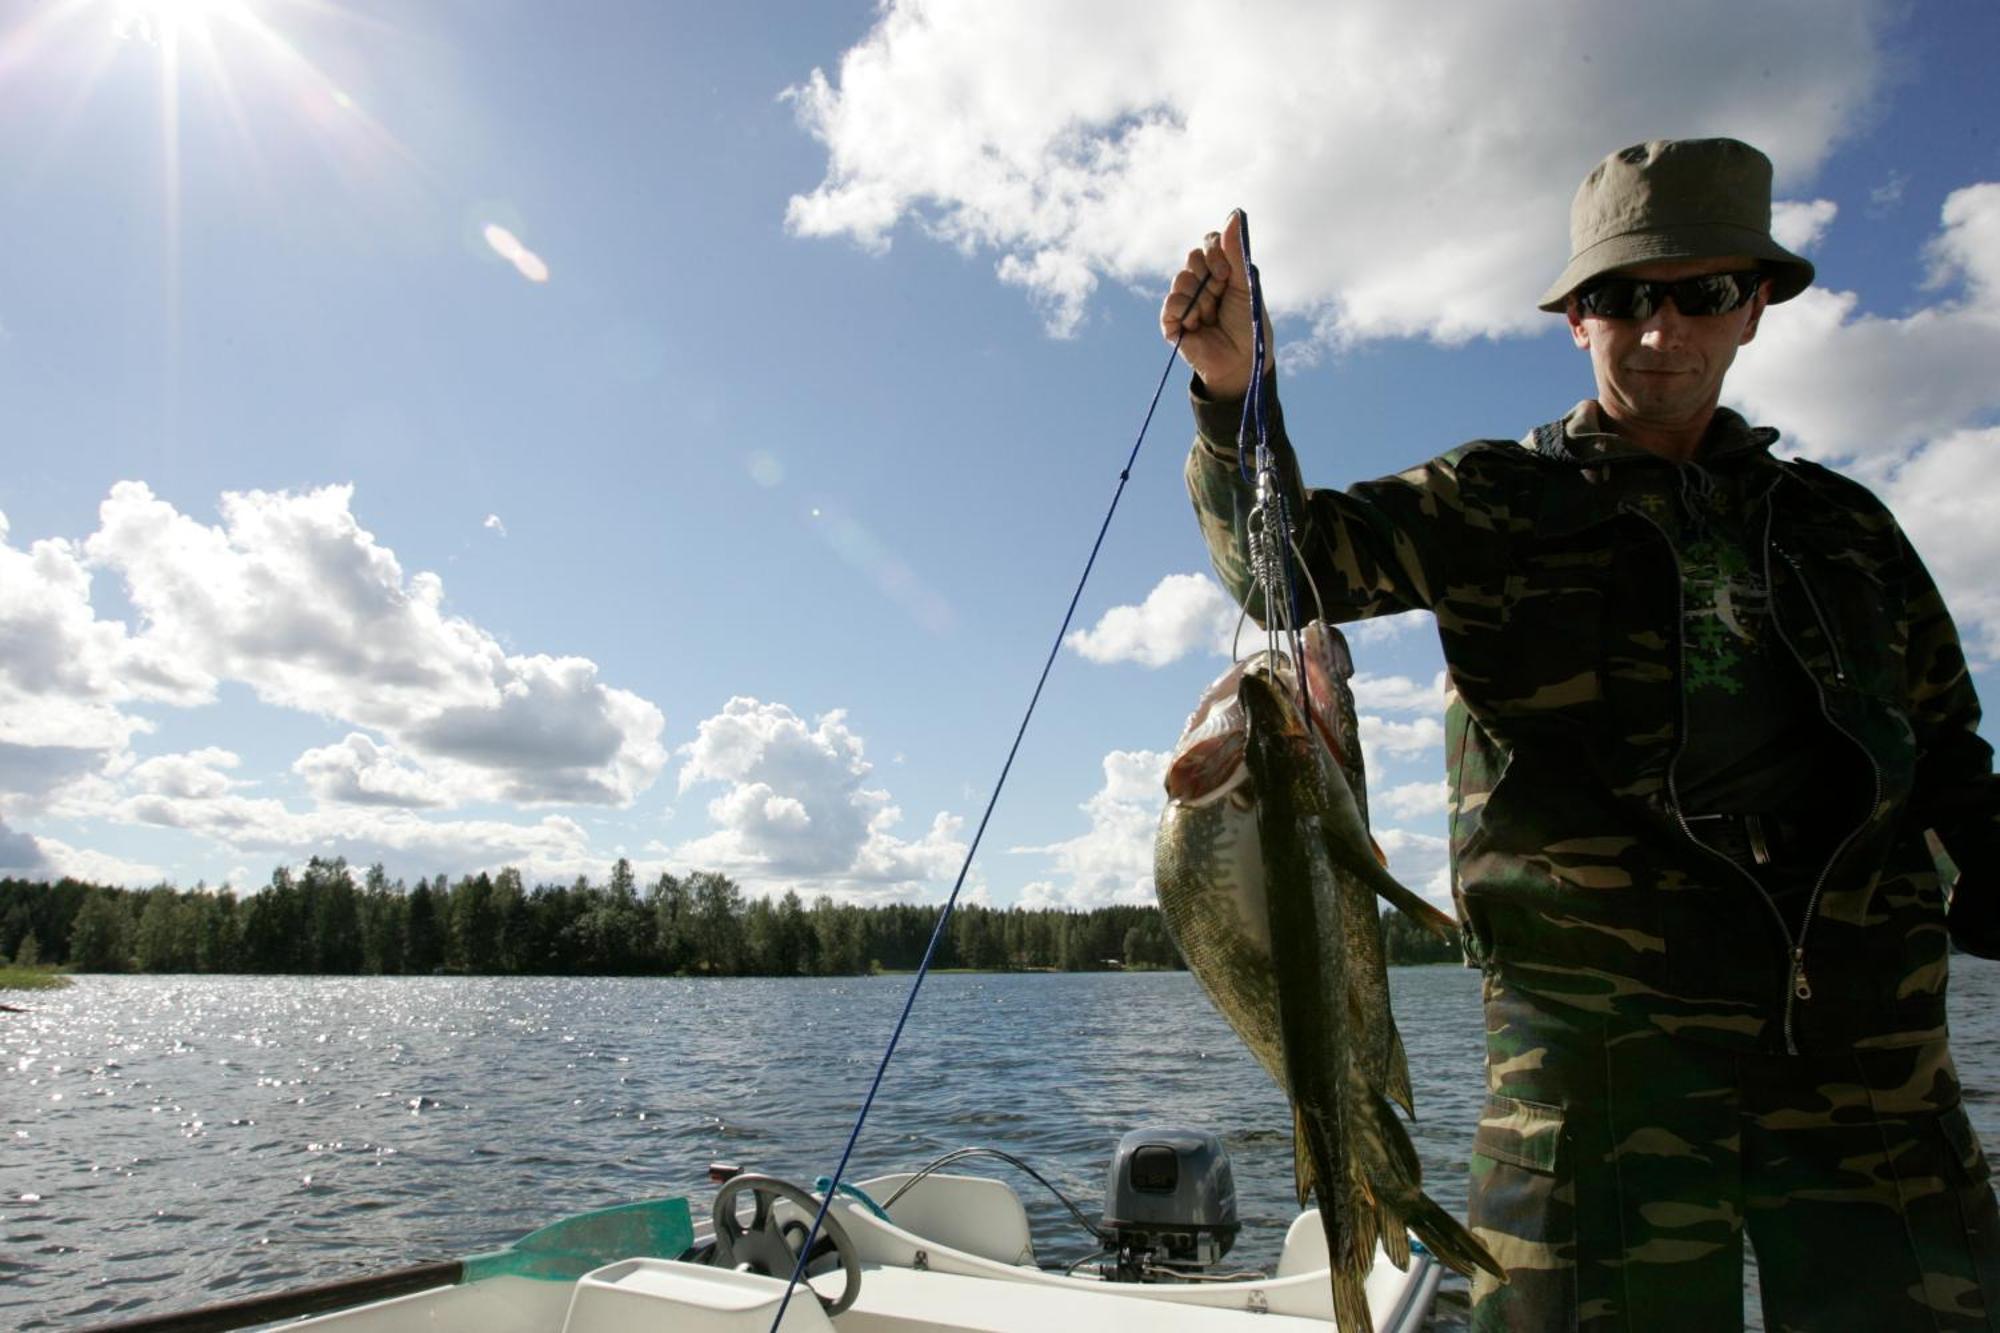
column 940, row 1253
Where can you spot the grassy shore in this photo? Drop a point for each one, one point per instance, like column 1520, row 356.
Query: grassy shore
column 31, row 978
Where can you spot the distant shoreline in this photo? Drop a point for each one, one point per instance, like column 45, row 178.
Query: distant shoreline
column 39, row 979
column 31, row 978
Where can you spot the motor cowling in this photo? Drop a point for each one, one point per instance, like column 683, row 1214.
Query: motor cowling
column 1169, row 1204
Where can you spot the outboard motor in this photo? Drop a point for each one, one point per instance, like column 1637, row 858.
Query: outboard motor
column 1170, row 1205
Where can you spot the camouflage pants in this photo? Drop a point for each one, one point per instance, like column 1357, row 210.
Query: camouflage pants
column 1616, row 1169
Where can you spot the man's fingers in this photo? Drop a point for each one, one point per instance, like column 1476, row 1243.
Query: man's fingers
column 1182, row 308
column 1194, row 302
column 1211, row 268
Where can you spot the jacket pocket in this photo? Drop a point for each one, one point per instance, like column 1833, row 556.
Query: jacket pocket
column 1522, row 1209
column 1851, row 614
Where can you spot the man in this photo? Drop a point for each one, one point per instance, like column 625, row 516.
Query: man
column 1705, row 707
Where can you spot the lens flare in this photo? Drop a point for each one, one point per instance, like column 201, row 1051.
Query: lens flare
column 509, row 247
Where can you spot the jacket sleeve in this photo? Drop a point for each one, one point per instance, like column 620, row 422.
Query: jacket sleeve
column 1956, row 794
column 1379, row 547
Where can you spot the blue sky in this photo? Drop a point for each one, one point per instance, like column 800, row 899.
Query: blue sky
column 724, row 524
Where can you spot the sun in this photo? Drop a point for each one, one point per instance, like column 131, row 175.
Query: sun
column 160, row 21
column 232, row 60
column 229, row 70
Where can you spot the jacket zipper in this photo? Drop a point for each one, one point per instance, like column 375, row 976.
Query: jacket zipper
column 1795, row 948
column 1801, row 989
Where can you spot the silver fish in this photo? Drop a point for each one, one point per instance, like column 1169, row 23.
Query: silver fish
column 1267, row 879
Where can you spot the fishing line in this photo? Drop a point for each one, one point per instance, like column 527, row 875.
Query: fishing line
column 1269, row 531
column 944, row 917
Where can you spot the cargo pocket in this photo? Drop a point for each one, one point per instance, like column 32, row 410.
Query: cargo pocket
column 1972, row 1183
column 1523, row 1211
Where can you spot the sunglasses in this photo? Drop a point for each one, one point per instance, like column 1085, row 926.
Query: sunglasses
column 1638, row 298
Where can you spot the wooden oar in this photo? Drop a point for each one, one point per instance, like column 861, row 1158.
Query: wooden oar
column 559, row 1252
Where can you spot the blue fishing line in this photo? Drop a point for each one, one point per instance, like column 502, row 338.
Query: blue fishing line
column 834, row 1182
column 1255, row 424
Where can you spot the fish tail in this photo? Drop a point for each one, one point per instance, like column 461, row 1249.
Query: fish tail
column 1457, row 1248
column 1350, row 1255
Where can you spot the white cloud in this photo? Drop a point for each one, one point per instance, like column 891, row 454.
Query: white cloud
column 21, row 855
column 797, row 809
column 493, row 524
column 1397, row 694
column 67, row 678
column 1844, row 384
column 1943, row 495
column 1907, row 404
column 1401, row 739
column 357, row 771
column 294, row 598
column 1421, row 860
column 1388, row 629
column 1111, row 862
column 1360, row 137
column 554, row 847
column 1885, row 197
column 1183, row 614
column 1411, row 800
column 196, row 775
column 1798, row 226
column 1186, row 614
column 27, row 856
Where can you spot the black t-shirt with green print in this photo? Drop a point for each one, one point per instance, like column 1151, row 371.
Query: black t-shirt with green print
column 1756, row 740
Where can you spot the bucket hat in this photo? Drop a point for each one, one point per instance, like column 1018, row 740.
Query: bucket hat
column 1676, row 199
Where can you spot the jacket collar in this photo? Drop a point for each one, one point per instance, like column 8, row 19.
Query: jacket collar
column 1620, row 475
column 1581, row 438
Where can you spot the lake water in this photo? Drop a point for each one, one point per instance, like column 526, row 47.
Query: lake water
column 172, row 1141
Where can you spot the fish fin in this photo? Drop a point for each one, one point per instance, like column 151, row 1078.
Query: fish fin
column 1302, row 1168
column 1399, row 1090
column 1417, row 909
column 1350, row 1253
column 1455, row 1247
column 1396, row 1243
column 1350, row 1303
column 1396, row 1141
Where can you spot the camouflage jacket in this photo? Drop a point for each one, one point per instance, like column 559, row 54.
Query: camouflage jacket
column 1557, row 602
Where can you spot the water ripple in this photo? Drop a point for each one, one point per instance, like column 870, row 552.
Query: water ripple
column 170, row 1140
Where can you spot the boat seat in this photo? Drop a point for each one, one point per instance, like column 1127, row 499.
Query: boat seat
column 640, row 1293
column 899, row 1300
column 975, row 1214
column 1305, row 1246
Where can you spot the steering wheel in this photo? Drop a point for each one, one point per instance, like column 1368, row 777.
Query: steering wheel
column 771, row 1249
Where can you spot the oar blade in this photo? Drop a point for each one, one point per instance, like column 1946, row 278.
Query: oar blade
column 564, row 1251
column 559, row 1252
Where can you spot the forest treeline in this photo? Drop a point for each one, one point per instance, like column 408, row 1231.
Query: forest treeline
column 323, row 920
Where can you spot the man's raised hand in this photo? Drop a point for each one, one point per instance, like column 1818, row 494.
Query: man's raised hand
column 1214, row 329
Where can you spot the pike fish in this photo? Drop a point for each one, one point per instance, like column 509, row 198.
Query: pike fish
column 1267, row 879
